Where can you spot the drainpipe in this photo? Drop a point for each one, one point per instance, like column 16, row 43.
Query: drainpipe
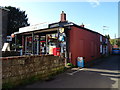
column 39, row 45
column 23, row 44
column 15, row 41
column 32, row 42
column 66, row 49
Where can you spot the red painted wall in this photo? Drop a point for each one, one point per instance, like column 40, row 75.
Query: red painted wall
column 83, row 43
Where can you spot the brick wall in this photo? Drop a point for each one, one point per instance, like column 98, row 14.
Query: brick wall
column 16, row 70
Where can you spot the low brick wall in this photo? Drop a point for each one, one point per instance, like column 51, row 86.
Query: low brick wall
column 10, row 53
column 16, row 70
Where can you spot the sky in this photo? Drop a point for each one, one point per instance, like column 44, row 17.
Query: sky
column 96, row 15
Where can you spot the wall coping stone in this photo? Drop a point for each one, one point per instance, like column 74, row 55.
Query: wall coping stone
column 24, row 56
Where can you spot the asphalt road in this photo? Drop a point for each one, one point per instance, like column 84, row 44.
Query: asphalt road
column 105, row 74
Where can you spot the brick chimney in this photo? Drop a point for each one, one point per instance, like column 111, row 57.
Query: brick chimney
column 82, row 25
column 63, row 17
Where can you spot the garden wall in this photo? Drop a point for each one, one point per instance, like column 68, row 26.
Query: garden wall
column 19, row 69
column 10, row 53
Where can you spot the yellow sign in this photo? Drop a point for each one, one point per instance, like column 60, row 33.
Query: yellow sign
column 61, row 30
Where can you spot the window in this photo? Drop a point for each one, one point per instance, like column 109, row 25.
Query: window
column 106, row 49
column 100, row 38
column 106, row 40
column 100, row 48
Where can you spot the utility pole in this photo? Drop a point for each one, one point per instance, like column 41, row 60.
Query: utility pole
column 115, row 40
column 104, row 28
column 115, row 36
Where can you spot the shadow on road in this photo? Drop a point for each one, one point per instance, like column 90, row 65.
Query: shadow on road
column 109, row 63
column 109, row 67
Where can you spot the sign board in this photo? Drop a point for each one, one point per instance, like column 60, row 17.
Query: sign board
column 54, row 25
column 34, row 27
column 9, row 38
column 61, row 30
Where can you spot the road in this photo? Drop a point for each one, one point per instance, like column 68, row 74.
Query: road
column 103, row 75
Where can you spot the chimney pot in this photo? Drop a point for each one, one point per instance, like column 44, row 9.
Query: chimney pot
column 63, row 17
column 82, row 25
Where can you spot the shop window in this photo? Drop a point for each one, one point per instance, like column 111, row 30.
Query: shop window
column 52, row 40
column 28, row 45
column 36, row 44
column 42, row 44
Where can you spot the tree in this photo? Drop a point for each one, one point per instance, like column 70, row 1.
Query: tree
column 118, row 42
column 107, row 36
column 115, row 42
column 16, row 19
column 112, row 41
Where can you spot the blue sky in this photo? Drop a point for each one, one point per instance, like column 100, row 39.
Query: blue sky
column 94, row 15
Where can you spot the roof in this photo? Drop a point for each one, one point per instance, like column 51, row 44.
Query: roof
column 52, row 26
column 73, row 24
column 42, row 26
column 86, row 29
column 38, row 31
column 4, row 8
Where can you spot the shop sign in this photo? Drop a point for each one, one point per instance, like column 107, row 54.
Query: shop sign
column 34, row 27
column 9, row 38
column 54, row 25
column 61, row 30
column 62, row 37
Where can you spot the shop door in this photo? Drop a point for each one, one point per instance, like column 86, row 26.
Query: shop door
column 36, row 44
column 28, row 45
column 42, row 44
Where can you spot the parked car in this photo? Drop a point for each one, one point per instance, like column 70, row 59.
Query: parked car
column 115, row 50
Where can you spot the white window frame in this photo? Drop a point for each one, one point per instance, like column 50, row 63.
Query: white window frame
column 100, row 38
column 101, row 48
column 106, row 40
column 106, row 49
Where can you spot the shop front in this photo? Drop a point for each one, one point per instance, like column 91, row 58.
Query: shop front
column 48, row 41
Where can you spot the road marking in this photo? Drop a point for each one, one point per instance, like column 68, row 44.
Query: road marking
column 75, row 72
column 102, row 70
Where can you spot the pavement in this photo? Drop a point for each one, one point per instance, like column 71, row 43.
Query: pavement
column 105, row 74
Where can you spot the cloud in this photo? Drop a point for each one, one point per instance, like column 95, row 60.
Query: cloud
column 94, row 3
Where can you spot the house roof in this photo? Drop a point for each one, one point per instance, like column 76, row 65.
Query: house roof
column 54, row 26
column 86, row 29
column 4, row 8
